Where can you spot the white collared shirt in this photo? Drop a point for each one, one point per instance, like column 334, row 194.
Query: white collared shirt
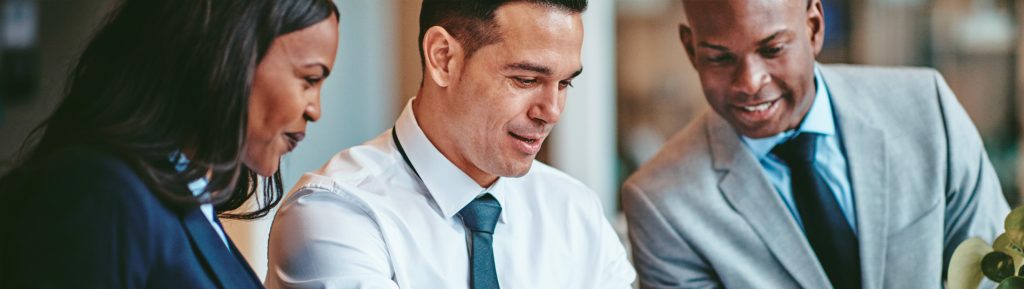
column 365, row 220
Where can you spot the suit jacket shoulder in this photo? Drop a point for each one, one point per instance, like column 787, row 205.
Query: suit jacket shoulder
column 901, row 100
column 684, row 161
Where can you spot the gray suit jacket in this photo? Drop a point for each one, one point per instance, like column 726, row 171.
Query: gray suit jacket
column 702, row 213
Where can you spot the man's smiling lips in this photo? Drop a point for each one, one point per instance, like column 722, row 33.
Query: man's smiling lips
column 528, row 143
column 756, row 111
column 760, row 106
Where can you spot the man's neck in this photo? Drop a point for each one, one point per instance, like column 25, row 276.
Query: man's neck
column 430, row 116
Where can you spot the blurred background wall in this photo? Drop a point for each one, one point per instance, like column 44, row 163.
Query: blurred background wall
column 638, row 88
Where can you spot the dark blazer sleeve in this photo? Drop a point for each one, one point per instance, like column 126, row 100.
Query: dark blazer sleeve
column 82, row 220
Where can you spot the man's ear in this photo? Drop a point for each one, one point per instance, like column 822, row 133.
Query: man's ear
column 816, row 26
column 440, row 52
column 686, row 36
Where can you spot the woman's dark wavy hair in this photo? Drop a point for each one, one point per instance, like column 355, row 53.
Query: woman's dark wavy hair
column 162, row 76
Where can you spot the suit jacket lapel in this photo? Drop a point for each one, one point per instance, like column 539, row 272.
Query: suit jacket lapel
column 225, row 268
column 747, row 188
column 239, row 257
column 864, row 143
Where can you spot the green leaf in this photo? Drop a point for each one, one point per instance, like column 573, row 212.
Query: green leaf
column 997, row 266
column 1015, row 282
column 965, row 265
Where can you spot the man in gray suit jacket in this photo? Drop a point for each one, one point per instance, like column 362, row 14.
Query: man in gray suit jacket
column 806, row 175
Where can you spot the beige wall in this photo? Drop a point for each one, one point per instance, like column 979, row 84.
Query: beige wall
column 409, row 68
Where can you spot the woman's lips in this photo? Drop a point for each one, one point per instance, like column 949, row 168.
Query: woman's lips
column 293, row 139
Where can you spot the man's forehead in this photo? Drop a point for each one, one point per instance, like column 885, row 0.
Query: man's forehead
column 703, row 10
column 749, row 2
column 553, row 63
column 753, row 20
column 534, row 18
column 539, row 36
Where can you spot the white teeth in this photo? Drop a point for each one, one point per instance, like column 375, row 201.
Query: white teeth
column 759, row 107
column 524, row 139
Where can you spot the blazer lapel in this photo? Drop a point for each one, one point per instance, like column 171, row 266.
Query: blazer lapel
column 864, row 143
column 749, row 191
column 238, row 255
column 225, row 267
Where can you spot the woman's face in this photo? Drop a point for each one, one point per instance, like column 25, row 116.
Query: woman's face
column 286, row 93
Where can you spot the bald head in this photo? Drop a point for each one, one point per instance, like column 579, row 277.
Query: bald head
column 755, row 59
column 698, row 6
column 808, row 3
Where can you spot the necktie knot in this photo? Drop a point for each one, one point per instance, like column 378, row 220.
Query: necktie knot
column 798, row 150
column 481, row 215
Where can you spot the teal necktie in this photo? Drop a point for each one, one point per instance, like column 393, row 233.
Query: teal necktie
column 480, row 217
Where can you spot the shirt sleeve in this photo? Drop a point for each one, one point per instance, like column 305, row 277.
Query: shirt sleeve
column 616, row 269
column 327, row 239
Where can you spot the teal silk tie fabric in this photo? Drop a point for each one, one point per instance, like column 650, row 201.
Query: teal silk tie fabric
column 480, row 217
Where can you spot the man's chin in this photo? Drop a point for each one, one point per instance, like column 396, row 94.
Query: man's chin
column 760, row 132
column 761, row 127
column 517, row 169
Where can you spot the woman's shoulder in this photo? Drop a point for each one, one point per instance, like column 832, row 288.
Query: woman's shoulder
column 79, row 177
column 84, row 157
column 85, row 167
column 121, row 232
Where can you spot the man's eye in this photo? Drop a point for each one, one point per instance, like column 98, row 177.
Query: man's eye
column 564, row 84
column 525, row 81
column 719, row 58
column 772, row 51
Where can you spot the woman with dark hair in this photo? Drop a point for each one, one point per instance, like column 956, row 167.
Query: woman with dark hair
column 176, row 111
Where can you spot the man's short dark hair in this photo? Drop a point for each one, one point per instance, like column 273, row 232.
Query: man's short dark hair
column 472, row 22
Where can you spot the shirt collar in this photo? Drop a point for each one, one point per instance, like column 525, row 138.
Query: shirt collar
column 449, row 186
column 818, row 120
column 198, row 186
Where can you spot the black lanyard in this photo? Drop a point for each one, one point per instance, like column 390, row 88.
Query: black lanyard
column 398, row 144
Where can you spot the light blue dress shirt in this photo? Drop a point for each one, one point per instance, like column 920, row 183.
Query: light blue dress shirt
column 829, row 159
column 198, row 188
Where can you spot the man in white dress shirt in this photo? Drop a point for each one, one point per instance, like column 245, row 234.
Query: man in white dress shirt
column 452, row 197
